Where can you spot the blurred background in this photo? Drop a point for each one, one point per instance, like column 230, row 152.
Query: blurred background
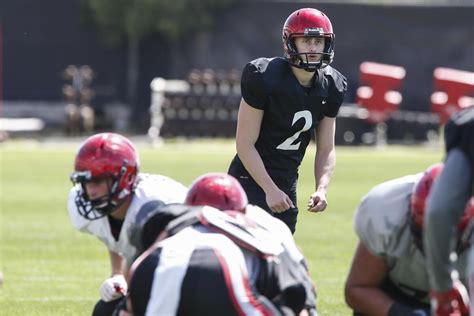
column 82, row 66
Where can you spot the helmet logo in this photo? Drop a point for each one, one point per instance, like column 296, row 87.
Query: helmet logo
column 81, row 176
column 313, row 31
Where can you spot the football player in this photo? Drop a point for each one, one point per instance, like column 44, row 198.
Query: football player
column 224, row 192
column 108, row 191
column 445, row 207
column 388, row 274
column 283, row 100
column 205, row 261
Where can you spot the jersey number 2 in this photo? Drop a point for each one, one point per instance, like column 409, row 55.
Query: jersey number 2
column 288, row 143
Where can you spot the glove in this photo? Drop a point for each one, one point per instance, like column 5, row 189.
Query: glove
column 113, row 288
column 454, row 302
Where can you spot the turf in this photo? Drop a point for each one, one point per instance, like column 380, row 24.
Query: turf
column 51, row 269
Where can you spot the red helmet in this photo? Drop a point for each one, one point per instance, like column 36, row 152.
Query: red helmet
column 102, row 156
column 311, row 23
column 218, row 190
column 419, row 197
column 468, row 215
column 421, row 192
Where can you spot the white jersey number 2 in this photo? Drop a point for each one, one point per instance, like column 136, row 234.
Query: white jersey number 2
column 288, row 143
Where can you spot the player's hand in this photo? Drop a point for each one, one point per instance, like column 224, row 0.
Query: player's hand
column 454, row 302
column 113, row 288
column 278, row 201
column 317, row 202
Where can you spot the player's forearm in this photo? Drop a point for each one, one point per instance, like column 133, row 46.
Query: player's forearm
column 368, row 300
column 254, row 165
column 117, row 263
column 444, row 209
column 324, row 165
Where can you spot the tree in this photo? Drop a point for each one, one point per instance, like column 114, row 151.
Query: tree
column 131, row 21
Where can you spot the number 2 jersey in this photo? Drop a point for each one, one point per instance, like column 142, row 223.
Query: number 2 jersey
column 149, row 187
column 291, row 111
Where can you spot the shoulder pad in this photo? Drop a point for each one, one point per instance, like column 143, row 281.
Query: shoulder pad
column 242, row 230
column 381, row 218
column 340, row 81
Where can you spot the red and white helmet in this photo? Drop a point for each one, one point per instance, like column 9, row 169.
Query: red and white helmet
column 218, row 190
column 419, row 197
column 418, row 201
column 105, row 155
column 308, row 22
column 421, row 192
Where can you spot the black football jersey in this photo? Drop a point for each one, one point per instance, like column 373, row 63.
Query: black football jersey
column 291, row 111
column 459, row 133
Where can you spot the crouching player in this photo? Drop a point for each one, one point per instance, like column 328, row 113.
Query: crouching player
column 200, row 260
column 388, row 274
column 107, row 194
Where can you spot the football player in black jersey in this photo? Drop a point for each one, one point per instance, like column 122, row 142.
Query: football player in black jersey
column 283, row 99
column 219, row 259
column 446, row 205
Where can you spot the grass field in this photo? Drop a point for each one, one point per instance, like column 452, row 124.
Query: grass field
column 50, row 269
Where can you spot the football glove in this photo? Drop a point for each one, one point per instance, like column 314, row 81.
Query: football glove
column 113, row 288
column 454, row 302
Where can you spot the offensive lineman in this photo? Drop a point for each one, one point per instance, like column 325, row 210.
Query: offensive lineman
column 210, row 262
column 108, row 191
column 388, row 274
column 219, row 190
column 283, row 100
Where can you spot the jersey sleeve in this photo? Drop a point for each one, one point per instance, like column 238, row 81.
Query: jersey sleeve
column 381, row 220
column 252, row 87
column 162, row 188
column 366, row 227
column 277, row 227
column 336, row 92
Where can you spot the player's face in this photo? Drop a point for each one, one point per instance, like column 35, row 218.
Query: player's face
column 310, row 45
column 98, row 188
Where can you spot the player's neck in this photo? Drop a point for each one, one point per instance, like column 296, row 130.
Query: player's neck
column 305, row 78
column 121, row 211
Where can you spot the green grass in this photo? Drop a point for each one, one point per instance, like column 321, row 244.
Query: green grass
column 51, row 269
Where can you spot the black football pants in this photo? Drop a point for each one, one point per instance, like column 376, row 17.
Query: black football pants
column 256, row 195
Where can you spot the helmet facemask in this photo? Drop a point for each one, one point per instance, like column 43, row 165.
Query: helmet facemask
column 301, row 59
column 105, row 204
